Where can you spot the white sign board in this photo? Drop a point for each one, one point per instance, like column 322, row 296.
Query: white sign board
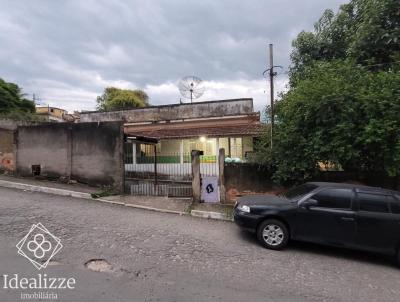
column 209, row 189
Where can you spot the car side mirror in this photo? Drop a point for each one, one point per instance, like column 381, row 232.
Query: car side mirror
column 309, row 203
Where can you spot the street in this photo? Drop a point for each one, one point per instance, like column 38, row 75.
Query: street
column 166, row 257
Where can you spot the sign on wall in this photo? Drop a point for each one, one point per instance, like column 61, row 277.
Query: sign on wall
column 209, row 189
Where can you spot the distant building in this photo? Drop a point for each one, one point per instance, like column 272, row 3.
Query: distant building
column 51, row 114
column 72, row 117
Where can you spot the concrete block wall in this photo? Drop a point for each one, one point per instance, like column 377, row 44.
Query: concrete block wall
column 8, row 129
column 12, row 124
column 87, row 152
column 44, row 145
column 7, row 161
column 174, row 111
column 247, row 178
column 97, row 153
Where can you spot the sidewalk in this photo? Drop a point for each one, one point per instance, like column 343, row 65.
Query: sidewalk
column 181, row 206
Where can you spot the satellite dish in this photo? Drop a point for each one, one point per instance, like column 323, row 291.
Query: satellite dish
column 191, row 87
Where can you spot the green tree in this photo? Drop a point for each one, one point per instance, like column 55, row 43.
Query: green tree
column 12, row 100
column 116, row 99
column 341, row 114
column 366, row 30
column 377, row 32
column 343, row 105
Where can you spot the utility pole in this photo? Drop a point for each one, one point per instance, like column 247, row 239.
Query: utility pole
column 271, row 82
column 272, row 74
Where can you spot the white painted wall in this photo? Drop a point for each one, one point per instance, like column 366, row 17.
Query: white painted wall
column 174, row 169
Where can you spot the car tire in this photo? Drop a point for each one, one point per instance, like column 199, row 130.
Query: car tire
column 398, row 257
column 273, row 234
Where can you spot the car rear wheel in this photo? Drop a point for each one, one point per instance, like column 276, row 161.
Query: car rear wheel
column 273, row 234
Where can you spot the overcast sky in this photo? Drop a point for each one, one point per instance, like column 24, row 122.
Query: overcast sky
column 67, row 52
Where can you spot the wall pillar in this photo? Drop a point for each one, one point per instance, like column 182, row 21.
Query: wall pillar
column 133, row 153
column 69, row 152
column 155, row 165
column 181, row 152
column 217, row 150
column 196, row 182
column 119, row 153
column 15, row 151
column 221, row 175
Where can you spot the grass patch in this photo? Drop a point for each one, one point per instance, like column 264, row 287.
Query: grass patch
column 103, row 193
column 190, row 207
column 228, row 211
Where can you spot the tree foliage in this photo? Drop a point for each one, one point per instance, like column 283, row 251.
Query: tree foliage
column 343, row 105
column 116, row 99
column 367, row 31
column 12, row 100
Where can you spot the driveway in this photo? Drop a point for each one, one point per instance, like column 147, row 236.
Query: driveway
column 167, row 257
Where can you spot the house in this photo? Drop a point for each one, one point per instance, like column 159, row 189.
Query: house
column 51, row 114
column 172, row 131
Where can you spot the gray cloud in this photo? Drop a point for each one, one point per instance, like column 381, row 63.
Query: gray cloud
column 68, row 51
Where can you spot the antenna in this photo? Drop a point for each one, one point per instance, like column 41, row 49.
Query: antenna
column 38, row 101
column 191, row 87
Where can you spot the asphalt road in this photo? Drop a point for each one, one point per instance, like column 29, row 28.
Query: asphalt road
column 167, row 257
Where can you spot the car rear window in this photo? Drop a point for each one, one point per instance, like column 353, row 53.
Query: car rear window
column 373, row 202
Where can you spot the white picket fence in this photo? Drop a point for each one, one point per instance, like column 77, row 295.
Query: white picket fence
column 206, row 169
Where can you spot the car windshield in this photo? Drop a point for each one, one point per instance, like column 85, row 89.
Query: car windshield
column 297, row 192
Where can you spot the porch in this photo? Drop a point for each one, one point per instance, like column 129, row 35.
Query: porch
column 173, row 156
column 158, row 153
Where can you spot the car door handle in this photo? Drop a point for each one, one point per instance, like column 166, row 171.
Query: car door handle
column 347, row 218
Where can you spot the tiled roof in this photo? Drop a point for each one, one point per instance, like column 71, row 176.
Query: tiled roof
column 251, row 129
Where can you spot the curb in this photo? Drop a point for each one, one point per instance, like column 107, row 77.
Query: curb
column 68, row 193
column 140, row 206
column 155, row 209
column 210, row 215
column 33, row 188
column 109, row 201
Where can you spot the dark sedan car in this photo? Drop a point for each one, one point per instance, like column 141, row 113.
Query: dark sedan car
column 343, row 215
